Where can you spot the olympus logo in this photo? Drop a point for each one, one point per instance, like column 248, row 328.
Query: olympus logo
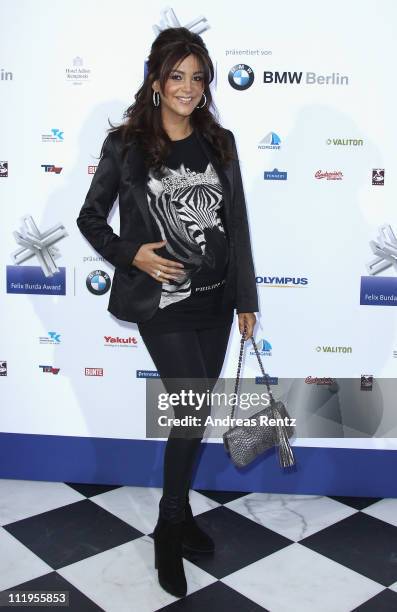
column 282, row 281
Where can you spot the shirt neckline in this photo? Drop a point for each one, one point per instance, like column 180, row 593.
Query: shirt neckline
column 183, row 139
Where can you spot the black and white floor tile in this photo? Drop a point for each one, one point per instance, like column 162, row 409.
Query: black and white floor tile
column 281, row 553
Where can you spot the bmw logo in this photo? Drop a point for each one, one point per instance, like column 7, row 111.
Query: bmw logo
column 241, row 76
column 98, row 282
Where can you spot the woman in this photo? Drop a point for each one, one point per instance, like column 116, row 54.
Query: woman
column 183, row 259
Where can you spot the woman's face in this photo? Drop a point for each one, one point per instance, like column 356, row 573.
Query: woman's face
column 183, row 88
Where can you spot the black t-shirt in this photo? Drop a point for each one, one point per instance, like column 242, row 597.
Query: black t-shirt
column 186, row 209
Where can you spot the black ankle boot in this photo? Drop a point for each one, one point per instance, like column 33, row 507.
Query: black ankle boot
column 168, row 556
column 194, row 538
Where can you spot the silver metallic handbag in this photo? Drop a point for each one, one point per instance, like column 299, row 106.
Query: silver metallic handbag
column 244, row 443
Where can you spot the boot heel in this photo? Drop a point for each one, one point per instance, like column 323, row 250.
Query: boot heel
column 168, row 559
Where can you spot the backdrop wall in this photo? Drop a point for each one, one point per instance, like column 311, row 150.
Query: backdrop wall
column 309, row 93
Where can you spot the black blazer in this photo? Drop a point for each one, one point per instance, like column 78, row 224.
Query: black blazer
column 135, row 295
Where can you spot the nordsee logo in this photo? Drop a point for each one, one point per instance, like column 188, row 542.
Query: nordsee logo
column 264, row 348
column 307, row 78
column 270, row 141
column 275, row 175
column 282, row 281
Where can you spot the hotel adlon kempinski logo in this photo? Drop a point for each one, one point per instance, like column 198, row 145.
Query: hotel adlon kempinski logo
column 77, row 74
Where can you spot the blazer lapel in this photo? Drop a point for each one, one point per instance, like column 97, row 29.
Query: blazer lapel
column 138, row 176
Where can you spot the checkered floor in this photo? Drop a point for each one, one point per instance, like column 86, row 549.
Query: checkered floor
column 282, row 553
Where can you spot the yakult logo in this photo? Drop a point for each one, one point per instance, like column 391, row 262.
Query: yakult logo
column 116, row 341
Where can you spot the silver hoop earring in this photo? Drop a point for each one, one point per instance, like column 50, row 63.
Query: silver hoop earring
column 156, row 98
column 205, row 101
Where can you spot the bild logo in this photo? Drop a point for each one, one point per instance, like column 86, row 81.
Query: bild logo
column 241, row 76
column 46, row 278
column 378, row 289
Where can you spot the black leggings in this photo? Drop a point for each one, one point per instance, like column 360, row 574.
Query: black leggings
column 196, row 354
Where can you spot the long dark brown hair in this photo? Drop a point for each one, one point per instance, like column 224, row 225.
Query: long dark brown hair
column 143, row 120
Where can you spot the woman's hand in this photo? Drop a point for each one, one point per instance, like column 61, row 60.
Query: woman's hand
column 147, row 261
column 248, row 320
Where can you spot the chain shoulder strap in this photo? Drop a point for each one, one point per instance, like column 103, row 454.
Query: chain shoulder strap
column 240, row 359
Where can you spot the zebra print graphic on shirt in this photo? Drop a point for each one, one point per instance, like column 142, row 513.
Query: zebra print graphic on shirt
column 185, row 208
